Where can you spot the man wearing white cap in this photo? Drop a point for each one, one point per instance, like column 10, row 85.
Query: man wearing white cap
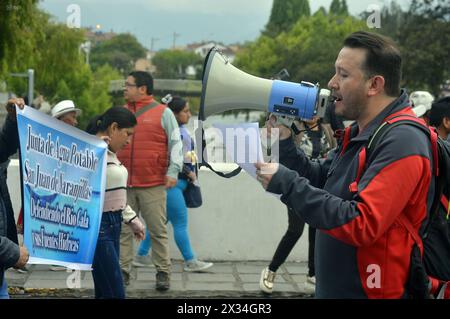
column 67, row 112
column 421, row 102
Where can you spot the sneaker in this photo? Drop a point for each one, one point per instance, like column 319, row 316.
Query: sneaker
column 266, row 280
column 310, row 285
column 142, row 261
column 311, row 280
column 57, row 268
column 197, row 265
column 162, row 281
column 22, row 270
column 126, row 278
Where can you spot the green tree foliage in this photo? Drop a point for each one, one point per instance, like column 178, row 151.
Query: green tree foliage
column 425, row 42
column 339, row 7
column 284, row 14
column 172, row 64
column 97, row 97
column 308, row 51
column 21, row 31
column 53, row 51
column 321, row 10
column 120, row 52
column 423, row 36
column 11, row 23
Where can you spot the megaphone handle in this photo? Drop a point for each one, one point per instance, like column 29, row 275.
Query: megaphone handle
column 295, row 129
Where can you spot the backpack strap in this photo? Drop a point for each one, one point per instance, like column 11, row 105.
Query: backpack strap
column 408, row 225
column 146, row 108
column 400, row 119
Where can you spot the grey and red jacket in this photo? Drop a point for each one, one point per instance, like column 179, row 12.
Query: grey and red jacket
column 362, row 250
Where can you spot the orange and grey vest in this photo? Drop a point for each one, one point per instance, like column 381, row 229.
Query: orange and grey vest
column 146, row 157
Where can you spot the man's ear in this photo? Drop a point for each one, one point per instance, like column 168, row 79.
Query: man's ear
column 142, row 90
column 376, row 85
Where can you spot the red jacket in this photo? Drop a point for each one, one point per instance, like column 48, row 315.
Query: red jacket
column 362, row 250
column 146, row 157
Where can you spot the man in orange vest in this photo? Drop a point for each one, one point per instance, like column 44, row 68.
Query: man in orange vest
column 150, row 172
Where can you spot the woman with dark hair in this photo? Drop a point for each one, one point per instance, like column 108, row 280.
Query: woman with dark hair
column 314, row 140
column 177, row 212
column 116, row 126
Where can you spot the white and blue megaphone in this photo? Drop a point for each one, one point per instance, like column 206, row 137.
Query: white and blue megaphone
column 225, row 88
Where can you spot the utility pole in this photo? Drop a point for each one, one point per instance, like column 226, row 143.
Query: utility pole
column 152, row 43
column 175, row 36
column 30, row 75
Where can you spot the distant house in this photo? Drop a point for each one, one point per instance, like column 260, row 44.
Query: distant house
column 203, row 48
column 98, row 36
column 144, row 65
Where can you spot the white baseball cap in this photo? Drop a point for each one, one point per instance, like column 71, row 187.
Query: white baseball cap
column 64, row 107
column 422, row 101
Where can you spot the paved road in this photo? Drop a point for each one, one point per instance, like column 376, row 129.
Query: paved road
column 224, row 280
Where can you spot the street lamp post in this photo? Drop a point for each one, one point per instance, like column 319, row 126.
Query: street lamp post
column 30, row 75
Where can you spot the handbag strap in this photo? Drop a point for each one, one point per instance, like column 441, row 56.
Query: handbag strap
column 146, row 108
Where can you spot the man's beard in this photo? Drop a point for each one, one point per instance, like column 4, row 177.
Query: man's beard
column 353, row 108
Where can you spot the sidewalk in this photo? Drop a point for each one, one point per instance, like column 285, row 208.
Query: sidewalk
column 224, row 280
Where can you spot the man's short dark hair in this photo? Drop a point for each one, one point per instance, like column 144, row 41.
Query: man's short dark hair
column 439, row 110
column 382, row 58
column 143, row 78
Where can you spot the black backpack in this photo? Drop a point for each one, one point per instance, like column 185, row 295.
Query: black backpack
column 429, row 274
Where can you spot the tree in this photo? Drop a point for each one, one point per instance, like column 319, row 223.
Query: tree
column 425, row 42
column 339, row 7
column 21, row 29
column 431, row 9
column 321, row 10
column 171, row 64
column 12, row 23
column 284, row 14
column 120, row 52
column 52, row 50
column 96, row 98
column 307, row 51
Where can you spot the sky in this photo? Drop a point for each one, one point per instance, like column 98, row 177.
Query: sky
column 226, row 21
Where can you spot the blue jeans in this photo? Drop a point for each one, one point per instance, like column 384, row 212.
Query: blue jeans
column 4, row 289
column 106, row 271
column 177, row 214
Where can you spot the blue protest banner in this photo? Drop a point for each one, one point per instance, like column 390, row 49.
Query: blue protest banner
column 63, row 172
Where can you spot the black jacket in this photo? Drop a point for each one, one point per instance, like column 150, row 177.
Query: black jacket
column 9, row 248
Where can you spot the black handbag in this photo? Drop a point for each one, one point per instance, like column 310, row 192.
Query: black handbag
column 193, row 195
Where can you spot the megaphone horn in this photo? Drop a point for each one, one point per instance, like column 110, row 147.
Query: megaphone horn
column 225, row 88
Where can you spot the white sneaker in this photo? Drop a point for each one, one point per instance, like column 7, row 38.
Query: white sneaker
column 197, row 265
column 22, row 270
column 311, row 280
column 266, row 280
column 142, row 261
column 310, row 285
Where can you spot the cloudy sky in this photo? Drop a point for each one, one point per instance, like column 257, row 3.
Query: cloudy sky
column 227, row 21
